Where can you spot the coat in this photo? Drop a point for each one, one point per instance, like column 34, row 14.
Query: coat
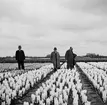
column 55, row 58
column 70, row 57
column 20, row 56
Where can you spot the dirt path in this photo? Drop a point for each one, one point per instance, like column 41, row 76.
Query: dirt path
column 92, row 94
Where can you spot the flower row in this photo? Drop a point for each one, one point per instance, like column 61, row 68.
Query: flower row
column 57, row 89
column 14, row 87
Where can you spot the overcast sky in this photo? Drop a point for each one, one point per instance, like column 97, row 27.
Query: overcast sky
column 41, row 25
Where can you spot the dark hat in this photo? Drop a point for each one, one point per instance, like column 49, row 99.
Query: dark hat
column 19, row 46
column 71, row 48
column 55, row 48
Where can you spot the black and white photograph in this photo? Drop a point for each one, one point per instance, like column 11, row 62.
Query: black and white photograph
column 53, row 52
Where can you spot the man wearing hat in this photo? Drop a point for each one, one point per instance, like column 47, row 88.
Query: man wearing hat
column 20, row 57
column 55, row 58
column 70, row 58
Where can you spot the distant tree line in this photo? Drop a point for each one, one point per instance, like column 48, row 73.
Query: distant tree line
column 93, row 55
column 33, row 59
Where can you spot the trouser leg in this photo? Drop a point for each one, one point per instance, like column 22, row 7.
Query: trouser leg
column 19, row 65
column 58, row 67
column 55, row 68
column 68, row 65
column 74, row 63
column 71, row 66
column 22, row 64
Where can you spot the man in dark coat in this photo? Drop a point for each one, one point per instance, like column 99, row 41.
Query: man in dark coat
column 20, row 57
column 70, row 58
column 55, row 58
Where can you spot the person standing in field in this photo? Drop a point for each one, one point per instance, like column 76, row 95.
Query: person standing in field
column 55, row 59
column 20, row 57
column 70, row 58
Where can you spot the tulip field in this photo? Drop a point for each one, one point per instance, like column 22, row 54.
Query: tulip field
column 4, row 67
column 39, row 84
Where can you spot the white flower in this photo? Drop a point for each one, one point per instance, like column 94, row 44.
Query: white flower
column 3, row 96
column 84, row 98
column 88, row 103
column 25, row 103
column 56, row 101
column 8, row 100
column 48, row 101
column 104, row 96
column 3, row 103
column 33, row 97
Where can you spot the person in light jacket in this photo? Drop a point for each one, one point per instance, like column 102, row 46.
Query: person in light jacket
column 70, row 58
column 55, row 59
column 20, row 57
